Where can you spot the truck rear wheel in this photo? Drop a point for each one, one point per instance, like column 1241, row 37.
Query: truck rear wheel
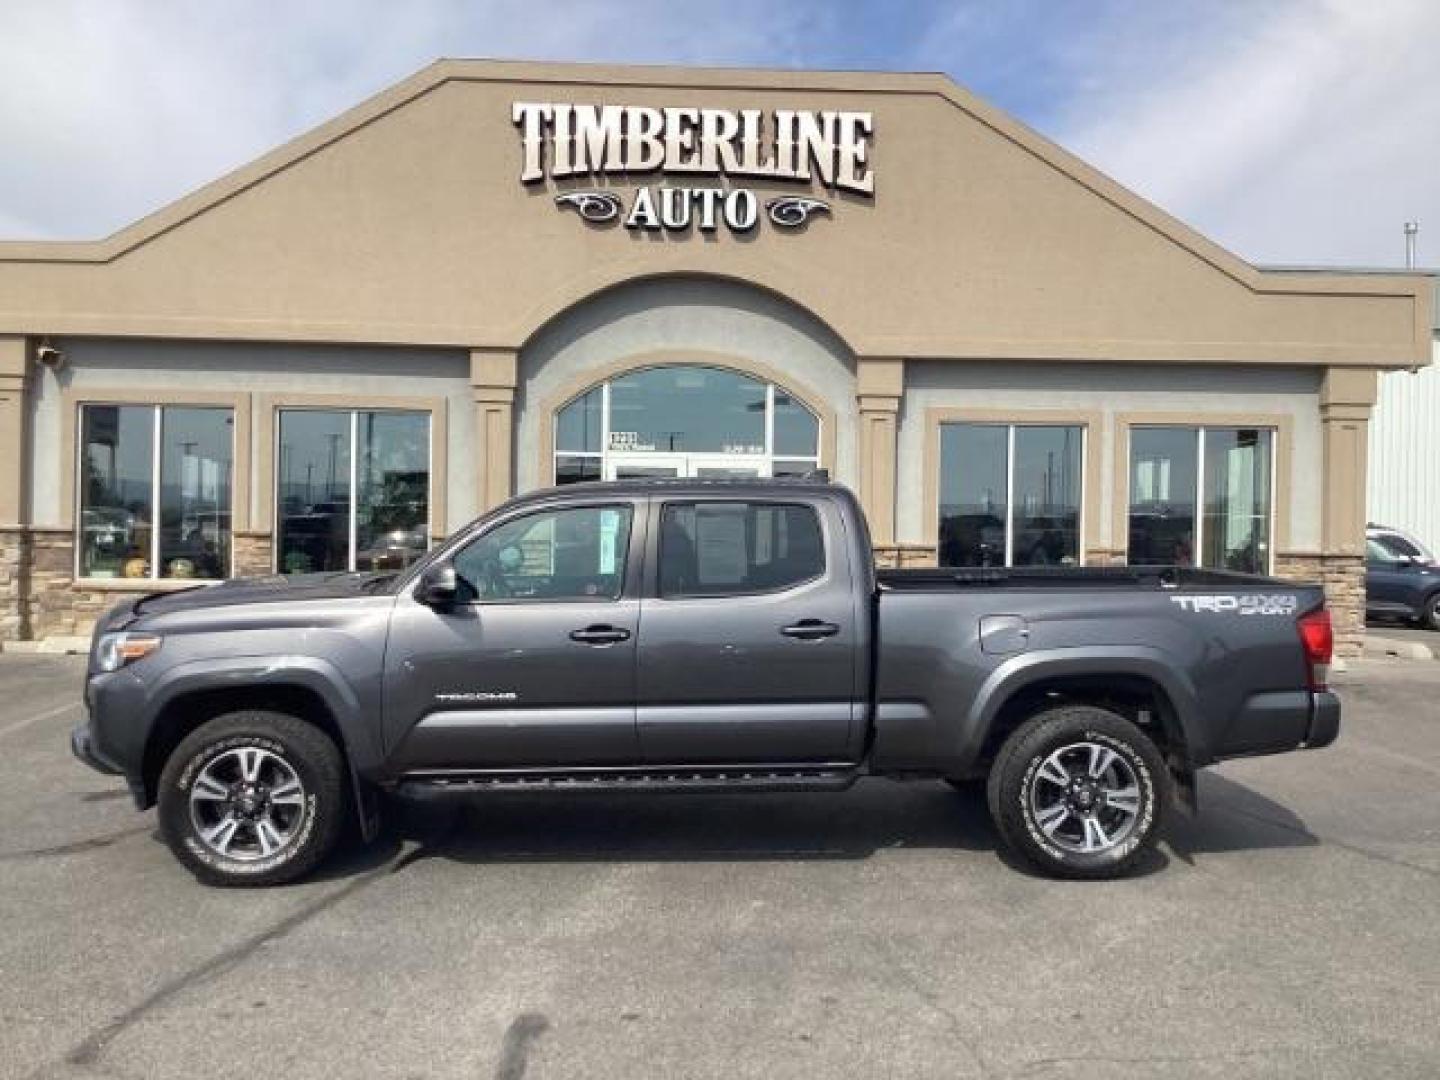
column 1079, row 792
column 252, row 798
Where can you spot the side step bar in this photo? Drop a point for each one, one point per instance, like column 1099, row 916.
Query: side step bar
column 825, row 776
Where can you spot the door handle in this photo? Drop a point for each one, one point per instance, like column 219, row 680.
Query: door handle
column 810, row 629
column 600, row 634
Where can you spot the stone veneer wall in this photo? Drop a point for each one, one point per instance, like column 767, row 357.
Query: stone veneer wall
column 40, row 599
column 57, row 607
column 1343, row 577
column 903, row 556
column 251, row 554
column 14, row 584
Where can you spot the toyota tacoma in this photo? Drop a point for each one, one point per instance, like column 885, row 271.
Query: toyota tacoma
column 715, row 636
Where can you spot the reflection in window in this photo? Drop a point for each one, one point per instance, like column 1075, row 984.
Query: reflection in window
column 1236, row 533
column 121, row 487
column 729, row 548
column 195, row 453
column 1010, row 494
column 353, row 490
column 1168, row 487
column 669, row 409
column 1162, row 496
column 393, row 478
column 691, row 414
column 571, row 554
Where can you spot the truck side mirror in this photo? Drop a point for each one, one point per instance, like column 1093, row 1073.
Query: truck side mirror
column 439, row 586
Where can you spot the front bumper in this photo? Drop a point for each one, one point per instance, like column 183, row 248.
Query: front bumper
column 82, row 745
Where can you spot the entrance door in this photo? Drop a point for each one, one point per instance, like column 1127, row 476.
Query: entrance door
column 725, row 466
column 644, row 466
column 701, row 466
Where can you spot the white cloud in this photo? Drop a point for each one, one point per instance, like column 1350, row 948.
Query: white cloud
column 1290, row 131
column 1307, row 134
column 111, row 108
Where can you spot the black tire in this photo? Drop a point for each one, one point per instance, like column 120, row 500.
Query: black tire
column 1431, row 617
column 1016, row 787
column 283, row 742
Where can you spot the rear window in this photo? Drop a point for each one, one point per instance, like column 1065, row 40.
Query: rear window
column 732, row 548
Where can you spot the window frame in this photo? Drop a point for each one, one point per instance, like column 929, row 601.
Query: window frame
column 660, row 506
column 1279, row 436
column 1012, row 422
column 637, row 522
column 1092, row 489
column 771, row 383
column 270, row 406
column 73, row 494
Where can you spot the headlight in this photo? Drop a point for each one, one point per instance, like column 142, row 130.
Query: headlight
column 117, row 650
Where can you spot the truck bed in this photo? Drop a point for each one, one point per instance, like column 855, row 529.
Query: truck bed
column 932, row 579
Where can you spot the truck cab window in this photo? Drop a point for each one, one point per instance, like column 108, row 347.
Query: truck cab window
column 730, row 548
column 571, row 554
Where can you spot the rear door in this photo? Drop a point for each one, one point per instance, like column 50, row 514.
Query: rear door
column 535, row 667
column 748, row 635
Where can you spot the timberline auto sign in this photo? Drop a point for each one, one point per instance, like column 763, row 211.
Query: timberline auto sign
column 805, row 146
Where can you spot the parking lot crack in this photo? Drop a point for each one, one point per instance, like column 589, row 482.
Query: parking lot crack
column 89, row 1050
column 92, row 844
column 1354, row 849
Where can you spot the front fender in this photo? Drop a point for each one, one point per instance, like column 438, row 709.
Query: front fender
column 1029, row 669
column 248, row 672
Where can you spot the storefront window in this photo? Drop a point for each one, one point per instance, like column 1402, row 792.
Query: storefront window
column 684, row 420
column 353, row 490
column 1162, row 496
column 1175, row 472
column 1010, row 494
column 136, row 458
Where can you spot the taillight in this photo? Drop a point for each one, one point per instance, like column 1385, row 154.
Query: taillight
column 1317, row 638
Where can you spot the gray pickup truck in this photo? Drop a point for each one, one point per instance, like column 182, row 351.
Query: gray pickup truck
column 717, row 636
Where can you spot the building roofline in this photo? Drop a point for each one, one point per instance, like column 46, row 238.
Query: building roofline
column 869, row 83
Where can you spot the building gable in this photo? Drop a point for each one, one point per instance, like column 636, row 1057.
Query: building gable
column 407, row 221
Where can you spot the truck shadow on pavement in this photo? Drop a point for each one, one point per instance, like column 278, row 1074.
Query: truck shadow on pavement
column 873, row 816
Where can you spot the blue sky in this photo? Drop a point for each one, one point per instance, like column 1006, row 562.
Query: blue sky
column 1291, row 131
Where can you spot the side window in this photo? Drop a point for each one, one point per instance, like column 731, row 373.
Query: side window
column 730, row 548
column 576, row 553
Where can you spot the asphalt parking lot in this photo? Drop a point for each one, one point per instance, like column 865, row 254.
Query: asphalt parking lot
column 1290, row 931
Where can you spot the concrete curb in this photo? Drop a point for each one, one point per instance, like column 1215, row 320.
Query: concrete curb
column 1378, row 646
column 51, row 646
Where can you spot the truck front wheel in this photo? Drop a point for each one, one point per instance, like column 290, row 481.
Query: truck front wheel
column 252, row 798
column 1079, row 792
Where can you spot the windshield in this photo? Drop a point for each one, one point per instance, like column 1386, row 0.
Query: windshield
column 1398, row 545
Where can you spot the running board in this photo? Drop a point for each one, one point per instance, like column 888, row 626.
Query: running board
column 693, row 779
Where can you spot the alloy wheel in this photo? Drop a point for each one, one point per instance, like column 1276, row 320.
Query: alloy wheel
column 1085, row 798
column 247, row 804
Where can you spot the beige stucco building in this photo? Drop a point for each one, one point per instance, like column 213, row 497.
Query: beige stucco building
column 495, row 276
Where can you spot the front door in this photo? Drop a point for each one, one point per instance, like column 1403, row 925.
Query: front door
column 534, row 667
column 749, row 635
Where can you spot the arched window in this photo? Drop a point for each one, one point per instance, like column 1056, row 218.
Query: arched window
column 684, row 420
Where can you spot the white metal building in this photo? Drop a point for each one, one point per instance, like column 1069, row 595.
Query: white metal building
column 1404, row 472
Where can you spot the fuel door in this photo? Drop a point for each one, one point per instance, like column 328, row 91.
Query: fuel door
column 1002, row 634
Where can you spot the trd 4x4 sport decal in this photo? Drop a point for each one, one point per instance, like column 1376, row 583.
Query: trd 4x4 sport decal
column 1253, row 604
